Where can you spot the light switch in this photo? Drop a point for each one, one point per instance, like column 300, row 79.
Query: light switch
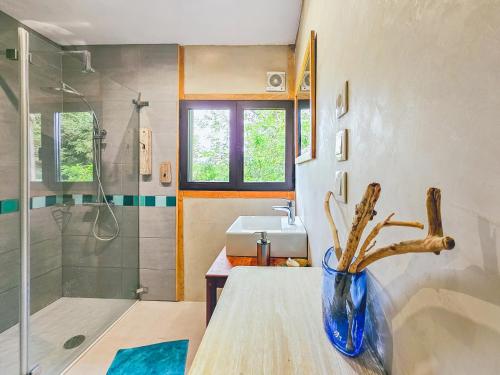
column 165, row 172
column 341, row 145
column 341, row 186
column 342, row 101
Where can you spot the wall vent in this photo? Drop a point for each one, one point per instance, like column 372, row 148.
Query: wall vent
column 276, row 81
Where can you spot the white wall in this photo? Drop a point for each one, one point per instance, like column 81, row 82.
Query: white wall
column 205, row 223
column 231, row 69
column 424, row 87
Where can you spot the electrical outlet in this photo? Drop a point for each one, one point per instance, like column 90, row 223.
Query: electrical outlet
column 341, row 145
column 341, row 186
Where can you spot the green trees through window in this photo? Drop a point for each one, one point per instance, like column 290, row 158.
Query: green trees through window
column 36, row 145
column 76, row 151
column 209, row 145
column 264, row 145
column 305, row 129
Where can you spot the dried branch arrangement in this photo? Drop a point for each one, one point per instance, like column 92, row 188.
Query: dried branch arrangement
column 434, row 242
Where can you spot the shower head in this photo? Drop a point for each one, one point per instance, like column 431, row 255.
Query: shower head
column 87, row 62
column 86, row 59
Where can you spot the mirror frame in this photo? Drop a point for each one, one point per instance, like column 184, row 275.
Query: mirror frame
column 309, row 57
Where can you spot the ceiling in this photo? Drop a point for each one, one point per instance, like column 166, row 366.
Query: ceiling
column 187, row 22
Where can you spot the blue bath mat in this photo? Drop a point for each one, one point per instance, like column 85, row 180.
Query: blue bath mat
column 165, row 358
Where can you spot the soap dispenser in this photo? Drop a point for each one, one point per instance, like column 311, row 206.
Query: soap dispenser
column 263, row 250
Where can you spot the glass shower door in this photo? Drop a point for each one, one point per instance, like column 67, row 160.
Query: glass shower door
column 85, row 181
column 66, row 274
column 9, row 200
column 46, row 214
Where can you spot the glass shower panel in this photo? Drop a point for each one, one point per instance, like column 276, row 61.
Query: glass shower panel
column 9, row 200
column 46, row 214
column 96, row 264
column 84, row 252
column 84, row 198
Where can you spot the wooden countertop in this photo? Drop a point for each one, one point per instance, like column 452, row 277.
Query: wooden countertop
column 268, row 321
column 224, row 263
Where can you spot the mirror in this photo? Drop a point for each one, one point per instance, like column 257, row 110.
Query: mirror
column 305, row 105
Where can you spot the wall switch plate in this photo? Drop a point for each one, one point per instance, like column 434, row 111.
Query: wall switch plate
column 166, row 172
column 341, row 186
column 342, row 103
column 341, row 145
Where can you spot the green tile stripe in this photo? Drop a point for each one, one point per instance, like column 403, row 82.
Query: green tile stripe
column 8, row 206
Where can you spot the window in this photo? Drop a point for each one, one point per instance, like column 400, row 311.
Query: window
column 264, row 132
column 35, row 147
column 304, row 119
column 75, row 156
column 208, row 145
column 236, row 145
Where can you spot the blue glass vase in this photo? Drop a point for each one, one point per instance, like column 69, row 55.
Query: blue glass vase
column 344, row 307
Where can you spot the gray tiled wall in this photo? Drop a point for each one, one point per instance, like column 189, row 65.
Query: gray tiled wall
column 46, row 264
column 123, row 72
column 92, row 268
column 158, row 82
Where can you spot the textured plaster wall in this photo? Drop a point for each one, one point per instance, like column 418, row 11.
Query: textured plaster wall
column 424, row 87
column 231, row 69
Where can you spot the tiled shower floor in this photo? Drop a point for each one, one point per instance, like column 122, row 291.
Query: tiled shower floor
column 56, row 323
column 146, row 323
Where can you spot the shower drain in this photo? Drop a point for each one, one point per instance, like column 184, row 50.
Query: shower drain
column 74, row 342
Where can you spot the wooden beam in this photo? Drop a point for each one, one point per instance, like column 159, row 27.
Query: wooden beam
column 237, row 194
column 290, row 84
column 262, row 96
column 313, row 68
column 308, row 61
column 179, row 232
column 179, row 253
column 180, row 58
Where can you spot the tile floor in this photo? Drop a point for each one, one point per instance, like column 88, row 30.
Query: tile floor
column 56, row 323
column 147, row 322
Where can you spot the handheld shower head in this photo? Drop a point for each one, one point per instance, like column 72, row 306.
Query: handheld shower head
column 67, row 89
column 63, row 87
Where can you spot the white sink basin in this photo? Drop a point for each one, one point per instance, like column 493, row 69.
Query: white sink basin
column 286, row 240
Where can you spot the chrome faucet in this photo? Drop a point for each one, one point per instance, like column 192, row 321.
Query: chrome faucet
column 289, row 209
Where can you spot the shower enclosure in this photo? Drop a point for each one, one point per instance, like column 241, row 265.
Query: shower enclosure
column 68, row 201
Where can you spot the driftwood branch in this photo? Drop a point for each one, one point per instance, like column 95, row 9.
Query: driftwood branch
column 434, row 242
column 433, row 204
column 364, row 212
column 375, row 231
column 333, row 227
